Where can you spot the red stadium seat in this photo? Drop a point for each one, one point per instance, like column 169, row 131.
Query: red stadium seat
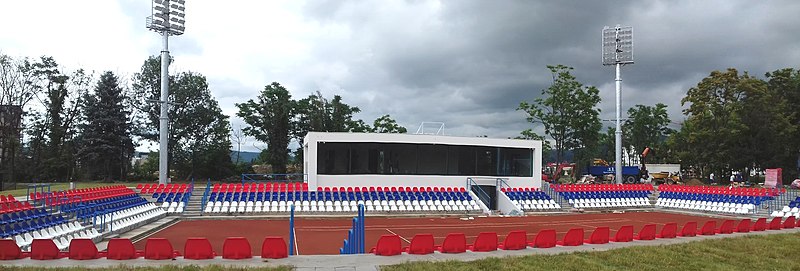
column 237, row 248
column 421, row 244
column 670, row 230
column 743, row 226
column 727, row 227
column 775, row 224
column 10, row 251
column 599, row 236
column 121, row 249
column 760, row 224
column 45, row 249
column 82, row 249
column 486, row 241
column 709, row 228
column 274, row 248
column 139, row 187
column 158, row 249
column 545, row 239
column 574, row 237
column 689, row 229
column 388, row 245
column 789, row 223
column 648, row 232
column 198, row 249
column 624, row 234
column 515, row 240
column 454, row 243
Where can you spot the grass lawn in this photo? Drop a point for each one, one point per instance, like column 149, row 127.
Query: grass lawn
column 162, row 268
column 767, row 252
column 62, row 186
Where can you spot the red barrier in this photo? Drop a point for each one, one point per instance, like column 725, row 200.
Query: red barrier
column 545, row 239
column 599, row 236
column 727, row 227
column 486, row 241
column 158, row 249
column 388, row 245
column 709, row 228
column 198, row 249
column 82, row 249
column 237, row 248
column 45, row 249
column 789, row 223
column 648, row 232
column 744, row 225
column 10, row 251
column 689, row 229
column 760, row 225
column 454, row 243
column 775, row 224
column 515, row 240
column 421, row 244
column 624, row 234
column 670, row 230
column 574, row 237
column 121, row 249
column 274, row 248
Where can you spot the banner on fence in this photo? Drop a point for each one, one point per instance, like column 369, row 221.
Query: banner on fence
column 773, row 178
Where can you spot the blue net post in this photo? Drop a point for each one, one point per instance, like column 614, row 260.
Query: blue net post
column 291, row 232
column 362, row 229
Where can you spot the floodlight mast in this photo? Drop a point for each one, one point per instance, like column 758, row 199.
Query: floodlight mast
column 167, row 18
column 618, row 51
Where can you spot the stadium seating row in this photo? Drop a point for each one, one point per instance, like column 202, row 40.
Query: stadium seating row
column 14, row 206
column 341, row 206
column 94, row 208
column 721, row 190
column 155, row 249
column 601, row 187
column 125, row 213
column 32, row 224
column 605, row 195
column 787, row 211
column 80, row 195
column 162, row 188
column 708, row 203
column 7, row 199
column 66, row 230
column 136, row 220
column 34, row 213
column 530, row 199
column 421, row 244
column 260, row 187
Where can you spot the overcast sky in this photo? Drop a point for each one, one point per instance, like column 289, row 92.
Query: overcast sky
column 467, row 64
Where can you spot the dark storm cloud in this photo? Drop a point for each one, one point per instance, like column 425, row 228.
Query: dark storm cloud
column 470, row 63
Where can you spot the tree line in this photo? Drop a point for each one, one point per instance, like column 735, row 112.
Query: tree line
column 75, row 125
column 732, row 122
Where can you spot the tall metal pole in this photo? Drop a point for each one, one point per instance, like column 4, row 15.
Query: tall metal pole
column 163, row 135
column 618, row 132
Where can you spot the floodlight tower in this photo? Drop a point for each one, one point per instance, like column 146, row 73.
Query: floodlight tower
column 167, row 18
column 618, row 51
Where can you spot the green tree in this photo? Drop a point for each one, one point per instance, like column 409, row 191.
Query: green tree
column 18, row 86
column 646, row 126
column 607, row 145
column 53, row 132
column 199, row 138
column 714, row 130
column 318, row 114
column 269, row 121
column 784, row 87
column 106, row 144
column 385, row 124
column 568, row 110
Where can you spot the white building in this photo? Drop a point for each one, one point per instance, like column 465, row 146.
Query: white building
column 409, row 160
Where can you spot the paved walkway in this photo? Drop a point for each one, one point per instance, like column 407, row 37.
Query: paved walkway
column 367, row 262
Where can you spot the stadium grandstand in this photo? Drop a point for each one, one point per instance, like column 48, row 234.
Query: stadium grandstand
column 381, row 194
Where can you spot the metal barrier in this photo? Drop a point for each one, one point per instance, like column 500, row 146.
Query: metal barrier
column 291, row 231
column 355, row 242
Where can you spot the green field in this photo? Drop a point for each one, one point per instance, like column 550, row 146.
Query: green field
column 764, row 252
column 62, row 186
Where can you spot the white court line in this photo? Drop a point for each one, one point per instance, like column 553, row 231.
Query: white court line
column 401, row 237
column 296, row 247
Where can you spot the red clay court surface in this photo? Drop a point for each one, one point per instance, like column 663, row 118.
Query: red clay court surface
column 324, row 235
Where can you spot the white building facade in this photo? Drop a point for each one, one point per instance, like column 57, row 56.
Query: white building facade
column 410, row 160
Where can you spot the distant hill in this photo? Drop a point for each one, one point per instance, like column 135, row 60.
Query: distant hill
column 245, row 156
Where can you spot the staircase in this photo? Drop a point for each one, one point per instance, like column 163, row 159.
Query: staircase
column 193, row 207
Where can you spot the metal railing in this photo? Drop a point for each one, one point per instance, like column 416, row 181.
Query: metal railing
column 485, row 198
column 205, row 197
column 289, row 177
column 546, row 187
